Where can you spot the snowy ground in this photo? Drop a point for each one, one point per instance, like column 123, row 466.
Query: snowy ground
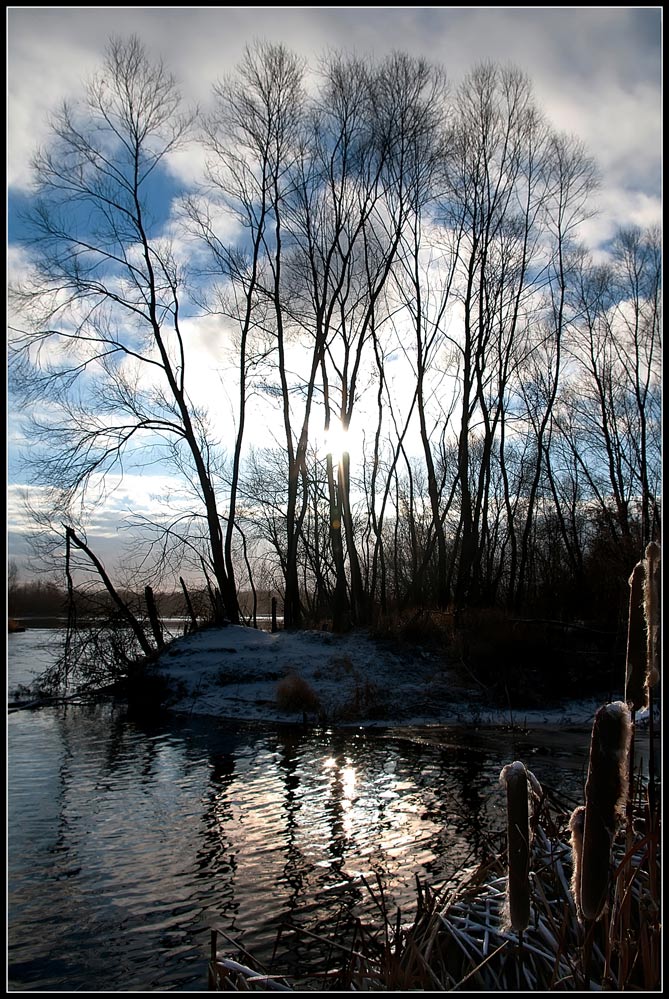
column 237, row 672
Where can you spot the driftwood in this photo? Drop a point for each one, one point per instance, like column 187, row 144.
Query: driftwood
column 125, row 611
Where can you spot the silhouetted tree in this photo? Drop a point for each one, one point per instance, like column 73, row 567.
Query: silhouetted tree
column 103, row 338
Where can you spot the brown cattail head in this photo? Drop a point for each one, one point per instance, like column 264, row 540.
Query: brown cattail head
column 514, row 777
column 576, row 823
column 605, row 796
column 652, row 599
column 636, row 693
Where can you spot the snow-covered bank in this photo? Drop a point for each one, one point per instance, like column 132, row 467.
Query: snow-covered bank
column 245, row 674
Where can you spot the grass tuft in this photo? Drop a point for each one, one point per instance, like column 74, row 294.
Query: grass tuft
column 295, row 694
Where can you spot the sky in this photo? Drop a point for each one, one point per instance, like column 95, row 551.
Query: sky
column 596, row 72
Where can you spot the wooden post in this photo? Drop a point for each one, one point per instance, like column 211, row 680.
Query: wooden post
column 274, row 627
column 153, row 617
column 189, row 604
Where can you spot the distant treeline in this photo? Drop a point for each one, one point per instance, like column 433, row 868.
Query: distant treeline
column 45, row 599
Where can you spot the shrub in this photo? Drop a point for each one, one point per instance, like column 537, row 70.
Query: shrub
column 420, row 626
column 530, row 661
column 295, row 694
column 367, row 701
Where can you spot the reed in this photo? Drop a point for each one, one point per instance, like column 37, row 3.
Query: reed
column 605, row 797
column 636, row 693
column 576, row 824
column 514, row 777
column 652, row 601
column 457, row 939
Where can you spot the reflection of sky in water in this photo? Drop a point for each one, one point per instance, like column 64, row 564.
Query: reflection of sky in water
column 312, row 823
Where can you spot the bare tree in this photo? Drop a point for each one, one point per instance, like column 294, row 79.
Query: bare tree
column 339, row 190
column 610, row 410
column 637, row 337
column 496, row 187
column 253, row 135
column 573, row 180
column 375, row 129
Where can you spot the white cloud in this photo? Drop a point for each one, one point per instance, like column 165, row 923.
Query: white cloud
column 42, row 71
column 18, row 263
column 126, row 500
column 618, row 207
column 596, row 71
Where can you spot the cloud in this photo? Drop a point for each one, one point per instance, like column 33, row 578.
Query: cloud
column 127, row 500
column 42, row 71
column 595, row 71
column 18, row 262
column 618, row 207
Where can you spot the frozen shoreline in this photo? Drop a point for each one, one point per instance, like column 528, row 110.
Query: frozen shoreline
column 235, row 672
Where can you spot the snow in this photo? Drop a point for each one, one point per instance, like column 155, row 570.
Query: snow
column 237, row 672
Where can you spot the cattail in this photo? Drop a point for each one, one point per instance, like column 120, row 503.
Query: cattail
column 535, row 786
column 536, row 798
column 652, row 611
column 514, row 776
column 605, row 796
column 636, row 693
column 576, row 823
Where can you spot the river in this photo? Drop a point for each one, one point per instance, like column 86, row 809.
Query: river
column 128, row 842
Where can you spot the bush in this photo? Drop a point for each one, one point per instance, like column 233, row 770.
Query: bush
column 368, row 701
column 293, row 694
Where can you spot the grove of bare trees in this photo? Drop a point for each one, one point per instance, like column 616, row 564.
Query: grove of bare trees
column 369, row 246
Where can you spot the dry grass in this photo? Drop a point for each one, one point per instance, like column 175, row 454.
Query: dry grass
column 295, row 694
column 367, row 701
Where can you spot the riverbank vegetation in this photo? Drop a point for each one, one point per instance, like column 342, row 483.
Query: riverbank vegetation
column 503, row 662
column 455, row 938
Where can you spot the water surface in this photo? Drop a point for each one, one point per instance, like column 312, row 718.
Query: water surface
column 128, row 842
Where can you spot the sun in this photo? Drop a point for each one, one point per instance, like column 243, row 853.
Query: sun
column 336, row 441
